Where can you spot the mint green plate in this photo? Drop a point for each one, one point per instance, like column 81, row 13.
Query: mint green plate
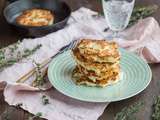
column 135, row 77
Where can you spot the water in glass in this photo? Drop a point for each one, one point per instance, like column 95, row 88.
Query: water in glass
column 118, row 13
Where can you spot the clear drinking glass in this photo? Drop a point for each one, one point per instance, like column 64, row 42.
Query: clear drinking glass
column 117, row 14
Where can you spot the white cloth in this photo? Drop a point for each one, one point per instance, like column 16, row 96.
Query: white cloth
column 143, row 39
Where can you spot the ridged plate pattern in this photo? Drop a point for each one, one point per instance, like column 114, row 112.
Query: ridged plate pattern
column 135, row 77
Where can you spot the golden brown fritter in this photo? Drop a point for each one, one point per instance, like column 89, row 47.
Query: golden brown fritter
column 97, row 51
column 97, row 63
column 36, row 17
column 81, row 79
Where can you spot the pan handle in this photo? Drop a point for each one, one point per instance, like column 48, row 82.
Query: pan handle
column 10, row 1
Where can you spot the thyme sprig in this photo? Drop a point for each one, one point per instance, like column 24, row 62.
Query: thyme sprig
column 39, row 76
column 7, row 114
column 37, row 115
column 14, row 47
column 45, row 100
column 14, row 56
column 156, row 109
column 141, row 12
column 19, row 105
column 128, row 113
column 29, row 52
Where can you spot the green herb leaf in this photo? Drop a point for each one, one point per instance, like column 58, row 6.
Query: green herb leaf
column 19, row 105
column 7, row 114
column 39, row 76
column 37, row 115
column 2, row 56
column 45, row 100
column 156, row 111
column 128, row 113
column 141, row 12
column 5, row 61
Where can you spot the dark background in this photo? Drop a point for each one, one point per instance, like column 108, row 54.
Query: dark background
column 9, row 36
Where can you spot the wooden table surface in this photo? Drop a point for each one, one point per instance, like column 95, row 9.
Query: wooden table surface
column 8, row 36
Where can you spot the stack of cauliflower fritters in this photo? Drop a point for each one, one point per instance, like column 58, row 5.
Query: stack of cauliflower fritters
column 97, row 63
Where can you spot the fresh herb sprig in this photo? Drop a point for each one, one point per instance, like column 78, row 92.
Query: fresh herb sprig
column 19, row 105
column 39, row 81
column 141, row 12
column 45, row 100
column 7, row 114
column 6, row 61
column 156, row 109
column 128, row 113
column 13, row 47
column 38, row 115
column 29, row 52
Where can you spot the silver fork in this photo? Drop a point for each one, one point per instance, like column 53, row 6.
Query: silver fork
column 70, row 46
column 46, row 62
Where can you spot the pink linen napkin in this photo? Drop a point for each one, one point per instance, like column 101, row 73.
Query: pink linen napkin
column 142, row 39
column 60, row 107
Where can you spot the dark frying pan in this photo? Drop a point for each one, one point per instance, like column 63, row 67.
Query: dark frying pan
column 60, row 9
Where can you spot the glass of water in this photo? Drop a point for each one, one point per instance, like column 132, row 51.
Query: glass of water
column 117, row 14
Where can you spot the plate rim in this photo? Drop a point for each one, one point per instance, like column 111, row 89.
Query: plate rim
column 102, row 101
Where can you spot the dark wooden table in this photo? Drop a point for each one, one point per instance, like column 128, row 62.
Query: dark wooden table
column 8, row 36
